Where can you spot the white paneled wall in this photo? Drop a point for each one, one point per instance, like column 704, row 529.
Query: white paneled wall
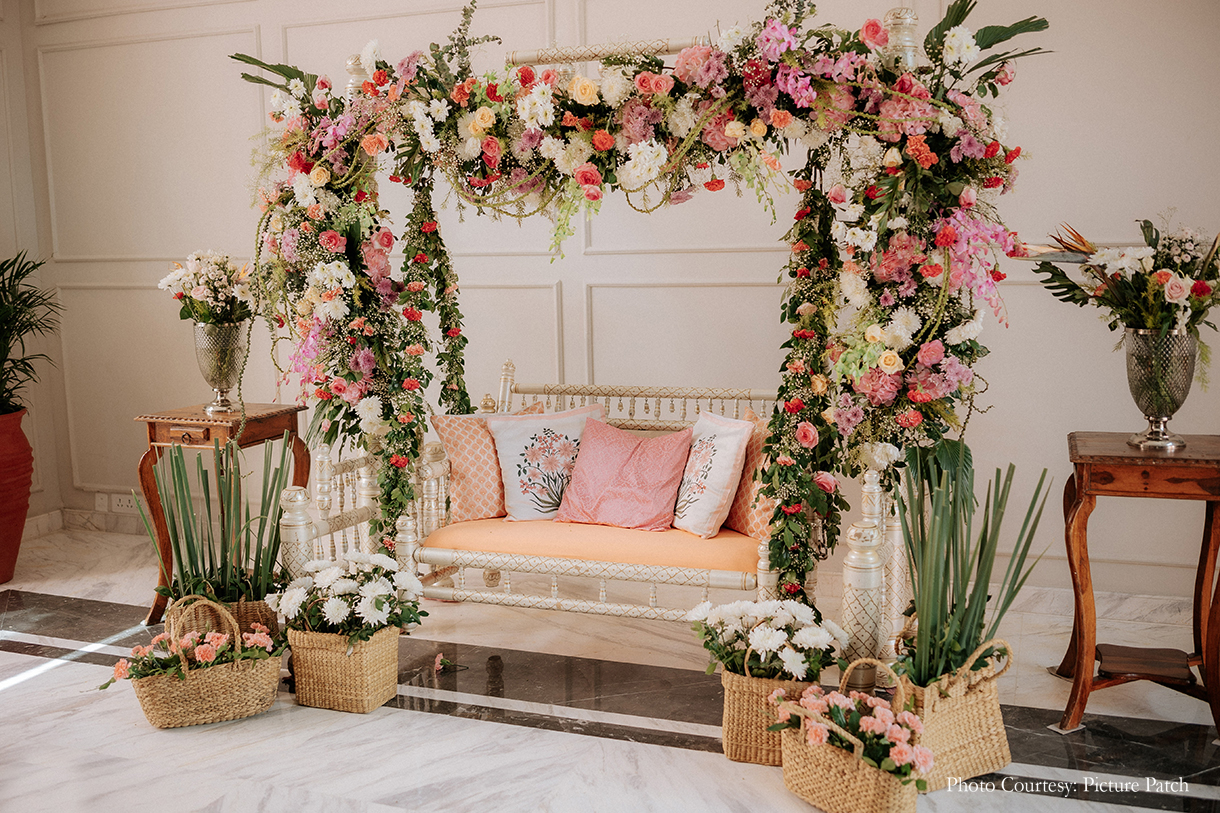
column 127, row 144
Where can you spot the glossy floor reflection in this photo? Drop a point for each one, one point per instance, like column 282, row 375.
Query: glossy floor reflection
column 550, row 712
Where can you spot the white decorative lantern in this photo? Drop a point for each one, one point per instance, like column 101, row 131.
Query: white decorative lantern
column 902, row 52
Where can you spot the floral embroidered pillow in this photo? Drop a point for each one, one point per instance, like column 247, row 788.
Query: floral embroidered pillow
column 537, row 454
column 625, row 480
column 751, row 512
column 476, row 490
column 713, row 472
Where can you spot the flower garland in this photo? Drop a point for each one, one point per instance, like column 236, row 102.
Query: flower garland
column 897, row 220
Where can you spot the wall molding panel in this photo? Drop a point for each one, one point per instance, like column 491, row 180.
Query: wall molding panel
column 41, row 17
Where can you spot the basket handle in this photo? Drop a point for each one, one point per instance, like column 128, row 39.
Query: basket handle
column 173, row 621
column 963, row 671
column 899, row 702
column 805, row 714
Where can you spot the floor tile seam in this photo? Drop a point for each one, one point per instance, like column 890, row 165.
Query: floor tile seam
column 1068, row 619
column 63, row 643
column 566, row 712
column 1197, row 790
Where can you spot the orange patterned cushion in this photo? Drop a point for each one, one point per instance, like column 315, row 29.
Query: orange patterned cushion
column 625, row 480
column 748, row 516
column 475, row 488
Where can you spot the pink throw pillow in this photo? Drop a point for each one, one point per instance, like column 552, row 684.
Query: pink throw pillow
column 625, row 480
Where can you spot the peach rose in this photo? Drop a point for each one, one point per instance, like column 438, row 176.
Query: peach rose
column 583, row 90
column 874, row 333
column 319, row 175
column 734, row 129
column 890, row 362
column 819, row 384
column 758, row 127
column 315, row 212
column 484, row 117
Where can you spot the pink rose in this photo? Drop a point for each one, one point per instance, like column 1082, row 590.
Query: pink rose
column 587, row 175
column 643, row 82
column 592, row 193
column 550, row 77
column 1007, row 73
column 826, row 481
column 874, row 35
column 806, row 435
column 323, row 83
column 806, row 308
column 492, row 150
column 837, row 194
column 662, row 83
column 785, row 460
column 931, row 353
column 384, row 239
column 331, row 241
column 1177, row 289
column 967, row 198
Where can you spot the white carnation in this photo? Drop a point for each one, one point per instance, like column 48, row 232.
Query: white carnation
column 849, row 212
column 878, row 456
column 335, row 610
column 369, row 56
column 794, row 663
column 303, row 190
column 369, row 407
column 273, row 601
column 683, row 119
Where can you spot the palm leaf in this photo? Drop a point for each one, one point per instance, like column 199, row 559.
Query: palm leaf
column 955, row 14
column 991, row 35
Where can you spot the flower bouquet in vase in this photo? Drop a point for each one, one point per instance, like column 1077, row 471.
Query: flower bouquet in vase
column 187, row 677
column 763, row 646
column 949, row 659
column 1159, row 293
column 343, row 624
column 852, row 753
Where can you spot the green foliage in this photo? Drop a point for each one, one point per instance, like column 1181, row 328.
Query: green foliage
column 227, row 556
column 950, row 574
column 24, row 311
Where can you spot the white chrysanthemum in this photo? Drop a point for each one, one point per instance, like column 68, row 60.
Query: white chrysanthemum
column 357, row 557
column 864, row 239
column 301, row 583
column 429, row 143
column 854, row 289
column 277, row 100
column 645, row 164
column 966, row 331
column 470, row 149
column 905, row 320
column 812, row 638
column 414, row 109
column 960, row 49
column 700, row 612
column 878, row 456
column 369, row 407
column 344, row 587
column 838, row 231
column 438, row 109
column 297, row 88
column 797, row 130
column 794, row 663
column 291, row 601
column 616, row 87
column 303, row 190
column 372, row 614
column 327, row 276
column 369, row 56
column 381, row 560
column 409, row 583
column 468, row 126
column 273, row 601
column 379, row 586
column 335, row 610
column 838, row 632
column 574, row 154
column 803, row 613
column 537, row 108
column 331, row 311
column 375, row 426
column 327, row 577
column 551, row 147
column 864, row 151
column 731, row 38
column 764, row 640
column 684, row 118
column 814, row 137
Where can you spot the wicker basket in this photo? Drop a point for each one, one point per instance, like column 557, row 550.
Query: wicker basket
column 747, row 714
column 838, row 781
column 327, row 677
column 210, row 694
column 962, row 723
column 189, row 614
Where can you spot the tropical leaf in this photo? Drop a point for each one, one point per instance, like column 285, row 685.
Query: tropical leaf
column 956, row 14
column 991, row 35
column 1062, row 286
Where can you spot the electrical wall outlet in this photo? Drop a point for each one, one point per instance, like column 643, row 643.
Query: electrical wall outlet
column 101, row 501
column 123, row 503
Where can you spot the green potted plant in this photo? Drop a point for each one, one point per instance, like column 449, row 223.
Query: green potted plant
column 228, row 556
column 25, row 310
column 949, row 666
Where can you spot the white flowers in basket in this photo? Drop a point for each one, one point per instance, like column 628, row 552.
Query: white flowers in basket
column 356, row 596
column 778, row 637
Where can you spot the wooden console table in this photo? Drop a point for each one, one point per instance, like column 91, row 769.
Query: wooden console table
column 193, row 428
column 1105, row 466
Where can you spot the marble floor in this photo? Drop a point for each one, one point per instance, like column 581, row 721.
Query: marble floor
column 553, row 712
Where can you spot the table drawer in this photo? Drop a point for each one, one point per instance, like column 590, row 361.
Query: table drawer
column 188, row 435
column 1170, row 482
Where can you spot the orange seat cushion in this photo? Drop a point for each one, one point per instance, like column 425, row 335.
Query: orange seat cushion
column 728, row 550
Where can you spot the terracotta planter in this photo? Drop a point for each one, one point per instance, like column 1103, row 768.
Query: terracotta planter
column 16, row 474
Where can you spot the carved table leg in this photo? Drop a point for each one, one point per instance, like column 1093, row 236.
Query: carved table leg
column 1211, row 643
column 1206, row 576
column 1067, row 667
column 148, row 485
column 1085, row 621
column 300, row 462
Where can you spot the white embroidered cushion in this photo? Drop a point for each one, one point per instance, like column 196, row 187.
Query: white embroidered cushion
column 713, row 472
column 537, row 454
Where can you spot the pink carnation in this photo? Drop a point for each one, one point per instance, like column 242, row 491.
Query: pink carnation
column 817, row 734
column 871, row 725
column 911, row 721
column 922, row 758
column 205, row 653
column 901, row 753
column 896, row 733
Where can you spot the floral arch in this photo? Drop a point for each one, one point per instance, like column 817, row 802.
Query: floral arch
column 893, row 247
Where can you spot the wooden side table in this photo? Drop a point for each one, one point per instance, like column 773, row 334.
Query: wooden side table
column 193, row 428
column 1105, row 466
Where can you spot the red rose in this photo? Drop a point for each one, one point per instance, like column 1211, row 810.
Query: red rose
column 802, row 272
column 380, row 78
column 299, row 163
column 1012, row 155
column 420, row 258
column 947, row 236
column 410, row 384
column 714, row 185
column 993, row 149
column 602, row 141
column 993, row 182
column 362, row 196
column 428, row 227
column 801, row 214
column 453, row 332
column 526, row 76
column 332, row 241
column 412, row 314
column 1200, row 289
column 794, row 406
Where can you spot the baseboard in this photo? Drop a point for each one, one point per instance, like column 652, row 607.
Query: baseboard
column 42, row 524
column 78, row 520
